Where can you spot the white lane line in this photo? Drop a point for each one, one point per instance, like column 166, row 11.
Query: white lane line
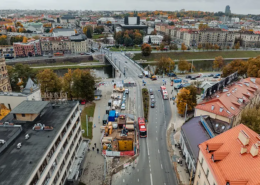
column 156, row 139
column 123, row 180
column 138, row 180
column 164, row 184
column 151, row 177
column 158, row 151
column 137, row 170
column 156, row 131
column 161, row 166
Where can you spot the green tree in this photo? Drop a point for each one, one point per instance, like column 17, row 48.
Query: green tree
column 183, row 65
column 218, row 63
column 146, row 49
column 49, row 81
column 149, row 40
column 87, row 86
column 183, row 47
column 162, row 46
column 165, row 65
column 89, row 34
column 154, row 32
column 236, row 65
column 47, row 30
column 128, row 41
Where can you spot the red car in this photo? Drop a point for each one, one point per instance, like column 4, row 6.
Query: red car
column 82, row 102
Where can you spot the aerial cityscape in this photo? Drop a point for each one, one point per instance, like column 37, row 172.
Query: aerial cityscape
column 129, row 93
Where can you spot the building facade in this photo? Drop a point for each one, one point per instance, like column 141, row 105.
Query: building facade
column 32, row 48
column 5, row 85
column 155, row 39
column 63, row 32
column 55, row 45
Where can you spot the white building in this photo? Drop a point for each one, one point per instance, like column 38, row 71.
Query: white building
column 104, row 20
column 65, row 32
column 155, row 39
column 79, row 44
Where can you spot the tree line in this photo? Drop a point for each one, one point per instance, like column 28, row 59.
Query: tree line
column 129, row 37
column 77, row 83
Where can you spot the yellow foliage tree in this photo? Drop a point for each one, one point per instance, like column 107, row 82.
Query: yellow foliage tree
column 25, row 39
column 183, row 47
column 182, row 100
column 85, row 30
column 218, row 62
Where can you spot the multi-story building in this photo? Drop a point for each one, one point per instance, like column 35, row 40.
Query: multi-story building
column 67, row 19
column 4, row 79
column 32, row 48
column 228, row 104
column 79, row 44
column 229, row 158
column 249, row 39
column 41, row 143
column 155, row 39
column 63, row 32
column 55, row 44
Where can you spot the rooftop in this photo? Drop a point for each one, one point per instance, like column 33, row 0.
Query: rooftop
column 195, row 133
column 30, row 107
column 56, row 30
column 60, row 38
column 232, row 99
column 17, row 165
column 228, row 164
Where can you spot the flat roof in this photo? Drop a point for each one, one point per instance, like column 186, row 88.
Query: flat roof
column 30, row 107
column 17, row 165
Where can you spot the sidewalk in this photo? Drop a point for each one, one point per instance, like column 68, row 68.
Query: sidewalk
column 93, row 173
column 173, row 137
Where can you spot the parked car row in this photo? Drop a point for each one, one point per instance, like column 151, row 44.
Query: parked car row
column 194, row 77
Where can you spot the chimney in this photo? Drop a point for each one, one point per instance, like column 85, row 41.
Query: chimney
column 243, row 137
column 243, row 150
column 254, row 150
column 212, row 107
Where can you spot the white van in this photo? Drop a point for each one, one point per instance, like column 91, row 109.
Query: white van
column 123, row 106
column 127, row 91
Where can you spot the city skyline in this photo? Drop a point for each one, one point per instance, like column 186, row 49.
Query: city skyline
column 241, row 7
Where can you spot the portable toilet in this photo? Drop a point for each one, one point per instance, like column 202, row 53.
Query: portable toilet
column 110, row 102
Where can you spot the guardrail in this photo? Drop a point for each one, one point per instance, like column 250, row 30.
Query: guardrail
column 134, row 62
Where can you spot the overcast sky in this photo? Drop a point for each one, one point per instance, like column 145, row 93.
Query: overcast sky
column 237, row 6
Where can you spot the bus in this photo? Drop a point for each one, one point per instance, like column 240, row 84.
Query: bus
column 164, row 93
column 142, row 127
column 58, row 54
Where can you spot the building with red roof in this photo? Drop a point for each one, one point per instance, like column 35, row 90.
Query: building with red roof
column 228, row 104
column 230, row 158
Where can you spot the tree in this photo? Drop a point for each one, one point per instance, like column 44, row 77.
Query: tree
column 49, row 81
column 68, row 83
column 251, row 118
column 47, row 30
column 149, row 40
column 237, row 46
column 90, row 28
column 3, row 40
column 25, row 39
column 186, row 96
column 85, row 30
column 193, row 96
column 171, row 23
column 203, row 26
column 167, row 39
column 98, row 29
column 253, row 67
column 162, row 46
column 146, row 49
column 87, row 86
column 216, row 47
column 218, row 62
column 109, row 22
column 128, row 41
column 89, row 34
column 183, row 47
column 36, row 37
column 175, row 47
column 236, row 65
column 207, row 46
column 18, row 24
column 199, row 46
column 154, row 32
column 165, row 65
column 183, row 65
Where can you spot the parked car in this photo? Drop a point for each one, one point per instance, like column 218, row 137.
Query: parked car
column 193, row 78
column 188, row 76
column 123, row 106
column 150, row 91
column 125, row 61
column 152, row 100
column 172, row 75
column 152, row 105
column 127, row 91
column 210, row 75
column 152, row 96
column 215, row 76
column 140, row 76
column 218, row 75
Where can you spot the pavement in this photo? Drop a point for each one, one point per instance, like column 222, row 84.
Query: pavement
column 80, row 65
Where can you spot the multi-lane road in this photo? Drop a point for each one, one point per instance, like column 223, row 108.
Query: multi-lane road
column 153, row 165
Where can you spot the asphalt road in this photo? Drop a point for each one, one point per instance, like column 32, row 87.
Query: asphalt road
column 153, row 166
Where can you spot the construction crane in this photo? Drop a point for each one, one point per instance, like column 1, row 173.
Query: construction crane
column 3, row 111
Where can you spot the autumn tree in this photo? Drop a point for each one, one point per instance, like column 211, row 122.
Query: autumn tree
column 218, row 63
column 162, row 46
column 87, row 86
column 251, row 118
column 237, row 46
column 167, row 39
column 203, row 26
column 228, row 47
column 199, row 47
column 154, row 32
column 3, row 40
column 207, row 46
column 68, row 83
column 236, row 65
column 186, row 96
column 109, row 22
column 25, row 39
column 183, row 65
column 19, row 24
column 36, row 37
column 85, row 30
column 254, row 67
column 165, row 65
column 146, row 49
column 183, row 47
column 216, row 47
column 49, row 81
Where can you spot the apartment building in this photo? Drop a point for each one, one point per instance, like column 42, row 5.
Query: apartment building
column 63, row 32
column 55, row 44
column 40, row 143
column 79, row 44
column 249, row 39
column 229, row 158
column 228, row 104
column 32, row 48
column 5, row 85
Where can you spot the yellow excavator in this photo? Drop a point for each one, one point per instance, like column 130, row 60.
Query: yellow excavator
column 3, row 111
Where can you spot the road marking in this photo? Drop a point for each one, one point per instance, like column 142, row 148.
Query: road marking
column 156, row 139
column 158, row 151
column 137, row 170
column 138, row 180
column 149, row 160
column 156, row 131
column 161, row 166
column 123, row 180
column 164, row 183
column 151, row 177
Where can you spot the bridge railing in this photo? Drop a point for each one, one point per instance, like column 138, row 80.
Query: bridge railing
column 134, row 62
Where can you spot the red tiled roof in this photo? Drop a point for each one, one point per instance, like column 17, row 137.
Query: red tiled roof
column 233, row 167
column 227, row 103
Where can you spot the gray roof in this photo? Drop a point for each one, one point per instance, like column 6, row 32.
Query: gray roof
column 67, row 17
column 30, row 87
column 194, row 134
column 30, row 107
column 62, row 29
column 79, row 37
column 16, row 166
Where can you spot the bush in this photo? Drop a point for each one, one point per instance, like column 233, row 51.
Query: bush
column 146, row 103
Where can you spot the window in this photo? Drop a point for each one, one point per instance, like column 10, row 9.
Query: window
column 23, row 115
column 199, row 174
column 207, row 174
column 201, row 161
